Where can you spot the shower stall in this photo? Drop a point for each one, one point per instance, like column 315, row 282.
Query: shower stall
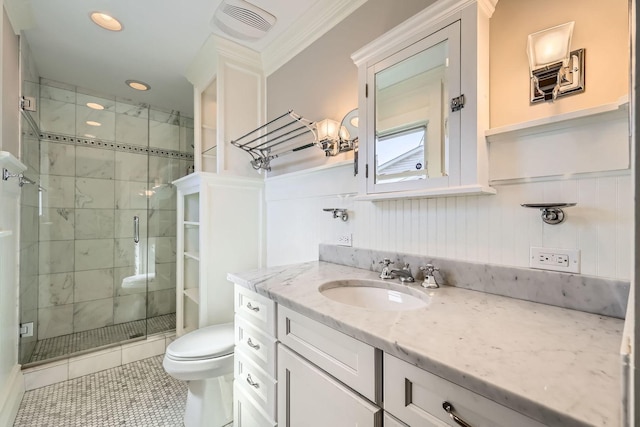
column 97, row 244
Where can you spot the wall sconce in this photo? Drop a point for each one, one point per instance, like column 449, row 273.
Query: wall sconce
column 335, row 138
column 555, row 70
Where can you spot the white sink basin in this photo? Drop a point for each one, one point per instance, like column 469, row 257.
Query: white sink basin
column 373, row 294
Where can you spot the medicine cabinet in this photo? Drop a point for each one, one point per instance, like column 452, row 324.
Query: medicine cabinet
column 423, row 101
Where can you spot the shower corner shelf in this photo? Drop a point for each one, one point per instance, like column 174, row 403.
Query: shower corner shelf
column 193, row 294
column 283, row 135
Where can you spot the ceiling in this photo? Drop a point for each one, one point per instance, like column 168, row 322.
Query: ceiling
column 159, row 40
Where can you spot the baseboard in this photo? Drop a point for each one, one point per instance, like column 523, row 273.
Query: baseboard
column 11, row 396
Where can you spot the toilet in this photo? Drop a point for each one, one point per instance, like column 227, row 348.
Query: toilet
column 204, row 358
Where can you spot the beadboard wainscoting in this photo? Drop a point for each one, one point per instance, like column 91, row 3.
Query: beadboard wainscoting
column 490, row 229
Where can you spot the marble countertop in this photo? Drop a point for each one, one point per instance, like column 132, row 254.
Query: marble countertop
column 558, row 366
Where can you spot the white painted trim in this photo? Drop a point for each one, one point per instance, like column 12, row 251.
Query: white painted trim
column 559, row 121
column 413, row 27
column 464, row 190
column 11, row 396
column 582, row 175
column 309, row 171
column 322, row 17
column 9, row 161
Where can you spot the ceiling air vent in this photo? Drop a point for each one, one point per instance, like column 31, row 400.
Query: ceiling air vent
column 242, row 20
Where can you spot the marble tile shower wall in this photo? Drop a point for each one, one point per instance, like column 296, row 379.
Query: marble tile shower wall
column 86, row 245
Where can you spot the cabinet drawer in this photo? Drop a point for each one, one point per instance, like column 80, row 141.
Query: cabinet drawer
column 256, row 309
column 351, row 361
column 258, row 346
column 256, row 383
column 309, row 397
column 246, row 413
column 416, row 397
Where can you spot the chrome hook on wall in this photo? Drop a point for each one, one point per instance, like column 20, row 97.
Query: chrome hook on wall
column 551, row 213
column 338, row 213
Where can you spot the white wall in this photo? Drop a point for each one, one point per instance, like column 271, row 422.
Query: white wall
column 488, row 229
column 11, row 384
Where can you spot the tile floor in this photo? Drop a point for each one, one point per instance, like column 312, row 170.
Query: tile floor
column 68, row 344
column 137, row 394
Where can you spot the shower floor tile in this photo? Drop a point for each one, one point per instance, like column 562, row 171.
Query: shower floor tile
column 68, row 344
column 137, row 394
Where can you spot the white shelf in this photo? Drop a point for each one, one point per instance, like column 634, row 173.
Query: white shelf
column 468, row 190
column 193, row 294
column 9, row 161
column 193, row 255
column 5, row 233
column 191, row 224
column 559, row 121
column 209, row 127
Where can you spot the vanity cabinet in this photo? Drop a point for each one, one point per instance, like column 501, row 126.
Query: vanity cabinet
column 416, row 397
column 254, row 359
column 423, row 104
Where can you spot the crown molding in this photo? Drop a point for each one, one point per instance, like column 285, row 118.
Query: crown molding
column 418, row 23
column 205, row 64
column 318, row 20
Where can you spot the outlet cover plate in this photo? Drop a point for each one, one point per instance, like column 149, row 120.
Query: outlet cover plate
column 344, row 239
column 565, row 260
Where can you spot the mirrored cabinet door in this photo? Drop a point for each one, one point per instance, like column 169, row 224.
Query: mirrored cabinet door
column 413, row 130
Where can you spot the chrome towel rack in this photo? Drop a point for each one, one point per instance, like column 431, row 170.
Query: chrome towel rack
column 283, row 135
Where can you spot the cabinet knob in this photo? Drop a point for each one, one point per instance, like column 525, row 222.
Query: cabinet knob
column 252, row 308
column 448, row 408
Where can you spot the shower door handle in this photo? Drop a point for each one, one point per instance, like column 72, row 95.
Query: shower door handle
column 136, row 229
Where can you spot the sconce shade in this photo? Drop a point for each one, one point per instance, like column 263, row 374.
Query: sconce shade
column 327, row 130
column 549, row 46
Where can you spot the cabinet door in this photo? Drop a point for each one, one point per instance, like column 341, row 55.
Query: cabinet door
column 413, row 136
column 308, row 396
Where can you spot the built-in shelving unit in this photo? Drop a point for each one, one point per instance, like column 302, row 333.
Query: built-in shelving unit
column 220, row 230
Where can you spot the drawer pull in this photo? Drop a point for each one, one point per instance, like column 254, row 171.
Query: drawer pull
column 252, row 345
column 448, row 408
column 252, row 308
column 251, row 382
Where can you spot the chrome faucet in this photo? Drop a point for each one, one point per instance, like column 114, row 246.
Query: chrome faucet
column 429, row 281
column 403, row 274
column 386, row 271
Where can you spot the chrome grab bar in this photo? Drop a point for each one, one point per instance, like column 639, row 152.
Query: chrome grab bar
column 136, row 229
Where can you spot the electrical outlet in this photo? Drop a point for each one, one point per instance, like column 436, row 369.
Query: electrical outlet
column 344, row 239
column 567, row 260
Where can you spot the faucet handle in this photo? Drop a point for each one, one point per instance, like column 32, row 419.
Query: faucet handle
column 429, row 281
column 386, row 262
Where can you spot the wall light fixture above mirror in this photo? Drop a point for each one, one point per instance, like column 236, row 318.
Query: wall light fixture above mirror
column 555, row 70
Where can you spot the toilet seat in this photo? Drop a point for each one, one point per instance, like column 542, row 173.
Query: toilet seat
column 204, row 343
column 204, row 353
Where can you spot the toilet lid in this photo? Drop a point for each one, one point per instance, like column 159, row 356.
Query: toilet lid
column 203, row 343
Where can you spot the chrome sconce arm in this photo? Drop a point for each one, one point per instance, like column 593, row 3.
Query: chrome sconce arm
column 551, row 213
column 338, row 213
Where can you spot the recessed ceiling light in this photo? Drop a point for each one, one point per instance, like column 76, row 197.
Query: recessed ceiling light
column 137, row 85
column 95, row 106
column 106, row 21
column 92, row 123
